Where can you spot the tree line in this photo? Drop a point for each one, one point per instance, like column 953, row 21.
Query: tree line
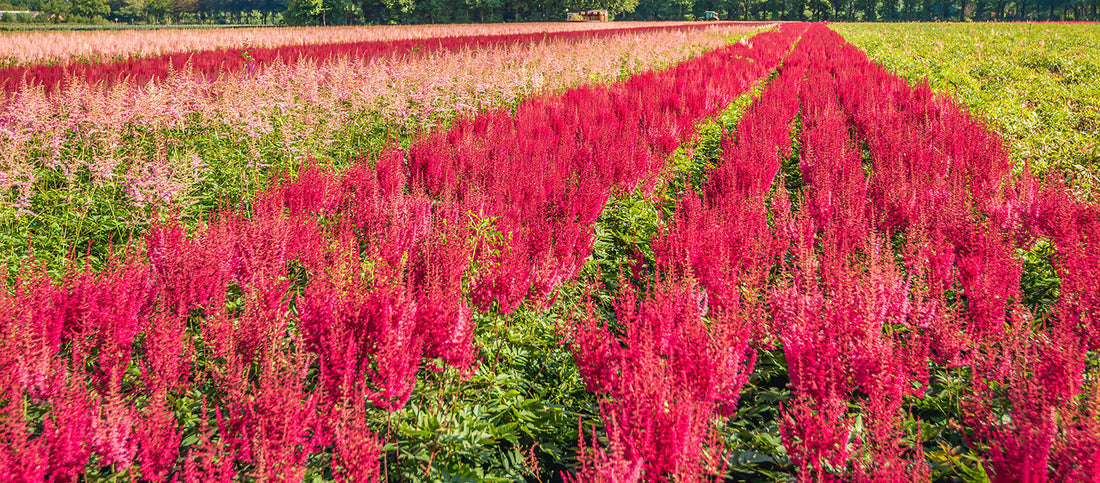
column 364, row 12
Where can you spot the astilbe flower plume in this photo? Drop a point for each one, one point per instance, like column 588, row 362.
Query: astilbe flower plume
column 158, row 439
column 666, row 376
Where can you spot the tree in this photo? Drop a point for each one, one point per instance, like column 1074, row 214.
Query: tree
column 437, row 11
column 795, row 10
column 485, row 9
column 820, row 9
column 90, row 8
column 304, row 12
column 869, row 8
column 133, row 9
column 613, row 7
column 340, row 12
column 155, row 10
column 57, row 10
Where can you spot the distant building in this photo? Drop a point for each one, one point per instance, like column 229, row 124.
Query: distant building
column 588, row 15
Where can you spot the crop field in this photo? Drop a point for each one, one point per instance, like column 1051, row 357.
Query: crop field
column 544, row 252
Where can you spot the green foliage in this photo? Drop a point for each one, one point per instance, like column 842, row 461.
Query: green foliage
column 513, row 418
column 752, row 435
column 56, row 10
column 937, row 418
column 1039, row 282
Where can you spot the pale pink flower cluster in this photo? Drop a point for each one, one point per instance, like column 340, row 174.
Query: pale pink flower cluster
column 305, row 104
column 36, row 47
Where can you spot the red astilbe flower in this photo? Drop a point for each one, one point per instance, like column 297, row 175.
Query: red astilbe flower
column 68, row 430
column 816, row 436
column 1076, row 453
column 1028, row 403
column 1020, row 444
column 359, row 333
column 599, row 465
column 105, row 312
column 32, row 325
column 836, row 315
column 61, row 452
column 178, row 262
column 831, row 167
column 166, row 353
column 836, row 342
column 280, row 419
column 888, row 455
column 1074, row 228
column 443, row 318
column 666, row 377
column 357, row 449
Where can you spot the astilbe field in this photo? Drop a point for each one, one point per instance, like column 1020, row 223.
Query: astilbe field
column 869, row 231
column 272, row 329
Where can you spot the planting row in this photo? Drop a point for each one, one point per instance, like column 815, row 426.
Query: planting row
column 1033, row 83
column 258, row 345
column 92, row 165
column 211, row 64
column 872, row 232
column 96, row 46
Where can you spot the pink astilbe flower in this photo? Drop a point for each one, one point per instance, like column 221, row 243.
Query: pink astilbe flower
column 113, row 430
